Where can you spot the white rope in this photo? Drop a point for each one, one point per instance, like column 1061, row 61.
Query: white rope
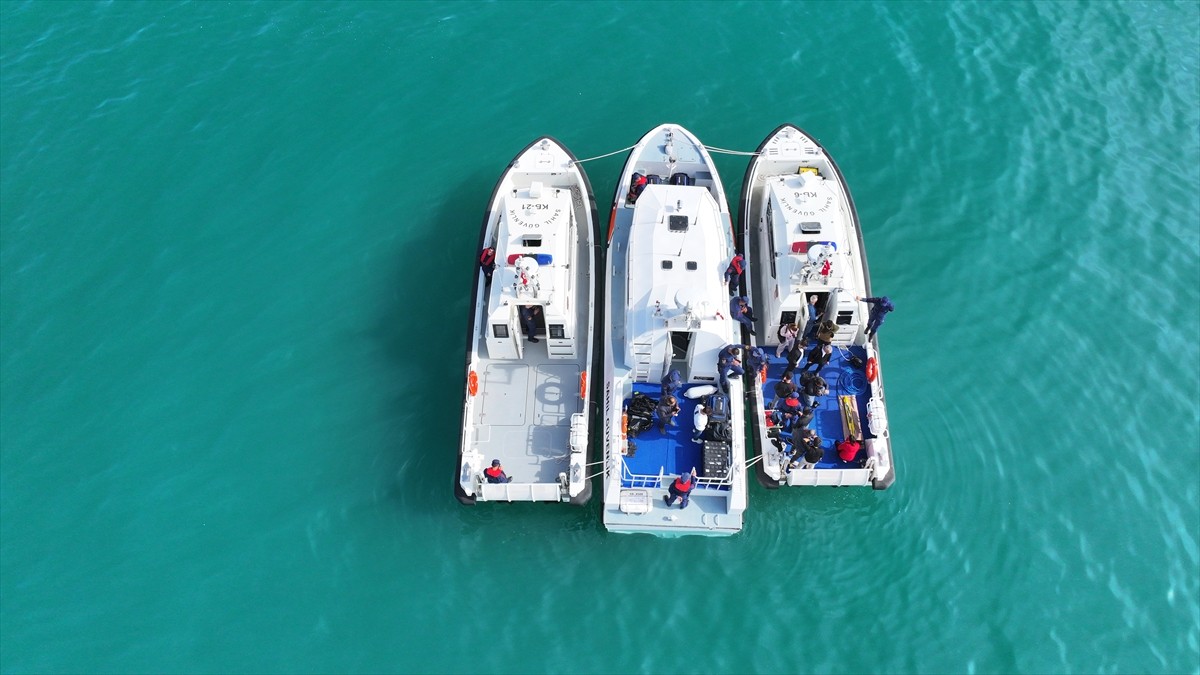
column 601, row 473
column 608, row 154
column 730, row 152
column 754, row 461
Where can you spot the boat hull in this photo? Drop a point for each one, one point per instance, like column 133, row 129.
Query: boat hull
column 529, row 403
column 803, row 240
column 659, row 321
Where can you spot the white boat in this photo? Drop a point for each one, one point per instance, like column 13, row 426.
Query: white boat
column 802, row 239
column 526, row 401
column 668, row 310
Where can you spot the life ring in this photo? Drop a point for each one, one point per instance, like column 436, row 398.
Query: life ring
column 472, row 383
column 583, row 384
column 872, row 369
column 624, row 425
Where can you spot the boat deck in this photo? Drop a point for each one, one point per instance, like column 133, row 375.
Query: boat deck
column 843, row 379
column 524, row 416
column 667, row 454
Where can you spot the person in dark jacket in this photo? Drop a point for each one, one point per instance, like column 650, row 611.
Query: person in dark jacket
column 671, row 382
column 795, row 354
column 528, row 314
column 880, row 307
column 783, row 387
column 681, row 489
column 818, row 357
column 740, row 310
column 667, row 409
column 495, row 473
column 729, row 364
column 814, row 387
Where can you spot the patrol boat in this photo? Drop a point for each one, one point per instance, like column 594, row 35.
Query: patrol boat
column 526, row 401
column 803, row 240
column 670, row 238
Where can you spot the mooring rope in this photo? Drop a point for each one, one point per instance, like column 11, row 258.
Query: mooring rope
column 607, row 154
column 729, row 152
column 707, row 147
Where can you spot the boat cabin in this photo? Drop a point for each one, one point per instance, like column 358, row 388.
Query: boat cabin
column 810, row 254
column 534, row 251
column 675, row 271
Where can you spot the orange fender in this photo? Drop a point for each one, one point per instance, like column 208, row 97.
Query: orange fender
column 583, row 384
column 472, row 383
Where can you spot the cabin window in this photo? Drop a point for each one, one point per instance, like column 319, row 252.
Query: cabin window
column 845, row 318
column 499, row 330
column 677, row 223
column 557, row 332
column 786, row 318
column 666, row 264
column 691, row 265
column 532, row 241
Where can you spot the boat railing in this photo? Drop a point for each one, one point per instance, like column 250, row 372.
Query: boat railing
column 635, row 480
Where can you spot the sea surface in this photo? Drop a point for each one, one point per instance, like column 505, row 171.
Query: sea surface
column 236, row 248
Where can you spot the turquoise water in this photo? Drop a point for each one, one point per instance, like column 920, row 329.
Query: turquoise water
column 236, row 246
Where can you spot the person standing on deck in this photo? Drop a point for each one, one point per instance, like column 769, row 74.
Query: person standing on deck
column 487, row 263
column 699, row 422
column 783, row 388
column 528, row 314
column 680, row 489
column 795, row 354
column 495, row 473
column 739, row 309
column 671, row 382
column 756, row 361
column 667, row 409
column 787, row 338
column 729, row 364
column 787, row 412
column 818, row 357
column 814, row 387
column 733, row 273
column 880, row 307
column 810, row 328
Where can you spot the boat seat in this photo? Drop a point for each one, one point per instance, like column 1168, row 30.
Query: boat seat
column 681, row 179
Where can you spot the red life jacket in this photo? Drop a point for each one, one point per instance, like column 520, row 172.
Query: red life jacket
column 494, row 471
column 683, row 487
column 736, row 263
column 487, row 256
column 848, row 450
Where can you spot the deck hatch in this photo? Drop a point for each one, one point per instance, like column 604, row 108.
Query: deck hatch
column 677, row 223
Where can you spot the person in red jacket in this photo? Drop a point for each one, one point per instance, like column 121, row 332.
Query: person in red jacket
column 681, row 489
column 848, row 449
column 495, row 473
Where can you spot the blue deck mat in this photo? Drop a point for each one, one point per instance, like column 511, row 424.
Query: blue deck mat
column 842, row 379
column 671, row 453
